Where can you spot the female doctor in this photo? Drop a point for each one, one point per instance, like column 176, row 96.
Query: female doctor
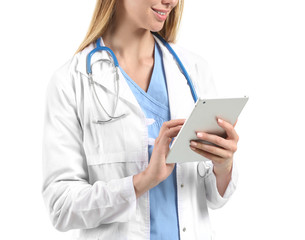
column 107, row 134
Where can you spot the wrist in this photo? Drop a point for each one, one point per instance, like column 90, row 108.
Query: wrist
column 223, row 168
column 143, row 182
column 223, row 173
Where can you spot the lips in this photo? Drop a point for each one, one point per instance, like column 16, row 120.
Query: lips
column 160, row 14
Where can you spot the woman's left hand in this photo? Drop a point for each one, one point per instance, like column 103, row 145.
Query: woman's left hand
column 222, row 154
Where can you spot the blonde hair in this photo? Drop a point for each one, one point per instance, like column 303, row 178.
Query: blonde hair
column 105, row 10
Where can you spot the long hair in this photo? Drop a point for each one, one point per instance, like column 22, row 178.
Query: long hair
column 105, row 10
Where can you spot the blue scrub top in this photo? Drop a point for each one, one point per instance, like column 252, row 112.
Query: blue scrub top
column 155, row 105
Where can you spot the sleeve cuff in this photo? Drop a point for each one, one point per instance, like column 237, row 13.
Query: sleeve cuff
column 215, row 200
column 126, row 196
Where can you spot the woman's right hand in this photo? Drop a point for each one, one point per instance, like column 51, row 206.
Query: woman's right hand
column 157, row 169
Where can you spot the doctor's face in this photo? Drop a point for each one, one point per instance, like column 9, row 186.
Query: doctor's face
column 146, row 14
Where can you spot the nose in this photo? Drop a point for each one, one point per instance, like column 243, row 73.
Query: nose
column 171, row 3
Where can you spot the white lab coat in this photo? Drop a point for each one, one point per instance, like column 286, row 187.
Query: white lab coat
column 88, row 168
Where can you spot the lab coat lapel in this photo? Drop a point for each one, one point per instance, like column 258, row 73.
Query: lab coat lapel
column 105, row 77
column 180, row 98
column 125, row 91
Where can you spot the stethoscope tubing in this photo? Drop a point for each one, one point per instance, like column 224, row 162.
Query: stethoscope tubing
column 180, row 64
column 100, row 48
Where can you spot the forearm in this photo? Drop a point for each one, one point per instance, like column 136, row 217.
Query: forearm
column 143, row 181
column 223, row 175
column 157, row 169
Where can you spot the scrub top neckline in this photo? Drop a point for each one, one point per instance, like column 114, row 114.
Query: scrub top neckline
column 146, row 94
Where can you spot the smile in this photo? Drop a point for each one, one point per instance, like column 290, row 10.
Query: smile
column 161, row 13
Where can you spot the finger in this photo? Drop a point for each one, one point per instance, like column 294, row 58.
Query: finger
column 235, row 123
column 219, row 141
column 208, row 155
column 171, row 124
column 217, row 151
column 229, row 128
column 166, row 136
column 173, row 132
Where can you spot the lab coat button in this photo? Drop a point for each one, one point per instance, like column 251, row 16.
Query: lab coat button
column 184, row 229
column 182, row 185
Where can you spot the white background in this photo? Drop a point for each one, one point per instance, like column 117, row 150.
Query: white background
column 255, row 48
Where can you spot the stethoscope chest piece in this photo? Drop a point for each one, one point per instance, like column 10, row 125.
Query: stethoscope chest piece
column 204, row 169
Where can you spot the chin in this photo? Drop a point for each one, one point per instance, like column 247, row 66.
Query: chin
column 156, row 27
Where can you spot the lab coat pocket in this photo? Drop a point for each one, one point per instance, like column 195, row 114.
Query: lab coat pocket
column 106, row 167
column 116, row 141
column 110, row 137
column 118, row 152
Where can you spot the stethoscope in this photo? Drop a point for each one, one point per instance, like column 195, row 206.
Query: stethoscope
column 100, row 48
column 202, row 168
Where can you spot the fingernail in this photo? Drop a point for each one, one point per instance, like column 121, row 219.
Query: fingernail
column 193, row 144
column 219, row 120
column 199, row 134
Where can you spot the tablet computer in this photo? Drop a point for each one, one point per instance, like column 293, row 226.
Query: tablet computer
column 204, row 118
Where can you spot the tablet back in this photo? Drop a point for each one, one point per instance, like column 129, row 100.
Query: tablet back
column 204, row 118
